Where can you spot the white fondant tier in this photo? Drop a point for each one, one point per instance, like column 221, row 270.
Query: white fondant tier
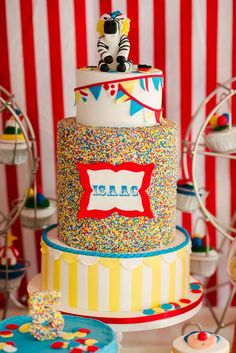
column 116, row 99
column 115, row 282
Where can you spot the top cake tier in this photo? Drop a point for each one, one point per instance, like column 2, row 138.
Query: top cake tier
column 116, row 99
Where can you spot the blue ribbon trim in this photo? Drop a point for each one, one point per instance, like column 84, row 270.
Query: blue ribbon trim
column 115, row 255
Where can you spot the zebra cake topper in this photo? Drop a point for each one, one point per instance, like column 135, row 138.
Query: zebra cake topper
column 113, row 43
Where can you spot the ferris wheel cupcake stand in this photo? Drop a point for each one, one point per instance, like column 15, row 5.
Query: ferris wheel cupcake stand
column 220, row 142
column 17, row 146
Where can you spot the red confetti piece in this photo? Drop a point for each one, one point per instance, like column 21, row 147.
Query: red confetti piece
column 176, row 305
column 84, row 330
column 76, row 350
column 113, row 92
column 5, row 333
column 92, row 349
column 81, row 340
column 185, row 301
column 12, row 326
column 11, row 343
column 57, row 345
column 196, row 291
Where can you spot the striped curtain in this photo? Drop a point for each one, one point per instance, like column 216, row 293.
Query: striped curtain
column 43, row 42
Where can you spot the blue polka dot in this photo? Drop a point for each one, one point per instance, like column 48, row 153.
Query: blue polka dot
column 167, row 306
column 74, row 344
column 195, row 286
column 148, row 312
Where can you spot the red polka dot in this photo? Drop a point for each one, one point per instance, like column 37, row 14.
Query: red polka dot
column 81, row 340
column 5, row 333
column 185, row 301
column 112, row 86
column 113, row 92
column 106, row 86
column 11, row 343
column 57, row 345
column 196, row 291
column 92, row 349
column 176, row 305
column 76, row 350
column 84, row 330
column 12, row 326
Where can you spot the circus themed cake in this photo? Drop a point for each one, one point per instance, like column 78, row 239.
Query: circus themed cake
column 116, row 248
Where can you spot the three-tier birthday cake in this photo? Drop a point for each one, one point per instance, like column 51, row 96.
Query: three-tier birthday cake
column 116, row 252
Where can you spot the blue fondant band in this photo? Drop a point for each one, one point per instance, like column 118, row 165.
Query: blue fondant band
column 115, row 255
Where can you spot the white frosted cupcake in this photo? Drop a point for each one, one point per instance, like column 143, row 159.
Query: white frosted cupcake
column 201, row 341
column 221, row 138
column 186, row 197
column 39, row 217
column 203, row 259
column 13, row 148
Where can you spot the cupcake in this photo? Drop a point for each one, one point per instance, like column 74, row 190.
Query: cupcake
column 203, row 259
column 186, row 197
column 221, row 137
column 13, row 148
column 12, row 269
column 37, row 211
column 200, row 341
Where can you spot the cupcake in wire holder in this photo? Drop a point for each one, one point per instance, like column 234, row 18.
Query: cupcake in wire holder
column 186, row 196
column 37, row 211
column 221, row 137
column 13, row 147
column 203, row 259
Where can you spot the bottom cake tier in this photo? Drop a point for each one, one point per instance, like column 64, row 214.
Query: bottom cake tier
column 91, row 281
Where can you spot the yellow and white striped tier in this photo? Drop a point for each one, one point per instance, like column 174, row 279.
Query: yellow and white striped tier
column 119, row 283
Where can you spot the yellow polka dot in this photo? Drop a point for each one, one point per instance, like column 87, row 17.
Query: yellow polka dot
column 24, row 328
column 158, row 310
column 68, row 336
column 2, row 344
column 79, row 334
column 90, row 342
column 65, row 344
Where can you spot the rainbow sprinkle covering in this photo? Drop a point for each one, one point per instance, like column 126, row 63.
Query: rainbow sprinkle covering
column 84, row 144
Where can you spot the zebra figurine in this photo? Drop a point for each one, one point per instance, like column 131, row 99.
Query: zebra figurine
column 113, row 44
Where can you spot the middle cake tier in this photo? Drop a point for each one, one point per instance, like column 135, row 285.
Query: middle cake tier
column 116, row 187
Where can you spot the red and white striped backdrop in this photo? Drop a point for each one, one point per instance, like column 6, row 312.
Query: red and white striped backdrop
column 42, row 43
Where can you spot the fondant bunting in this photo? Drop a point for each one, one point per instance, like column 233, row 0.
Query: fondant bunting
column 95, row 90
column 135, row 107
column 121, row 97
column 141, row 81
column 157, row 81
column 84, row 96
column 124, row 93
column 129, row 85
column 77, row 97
